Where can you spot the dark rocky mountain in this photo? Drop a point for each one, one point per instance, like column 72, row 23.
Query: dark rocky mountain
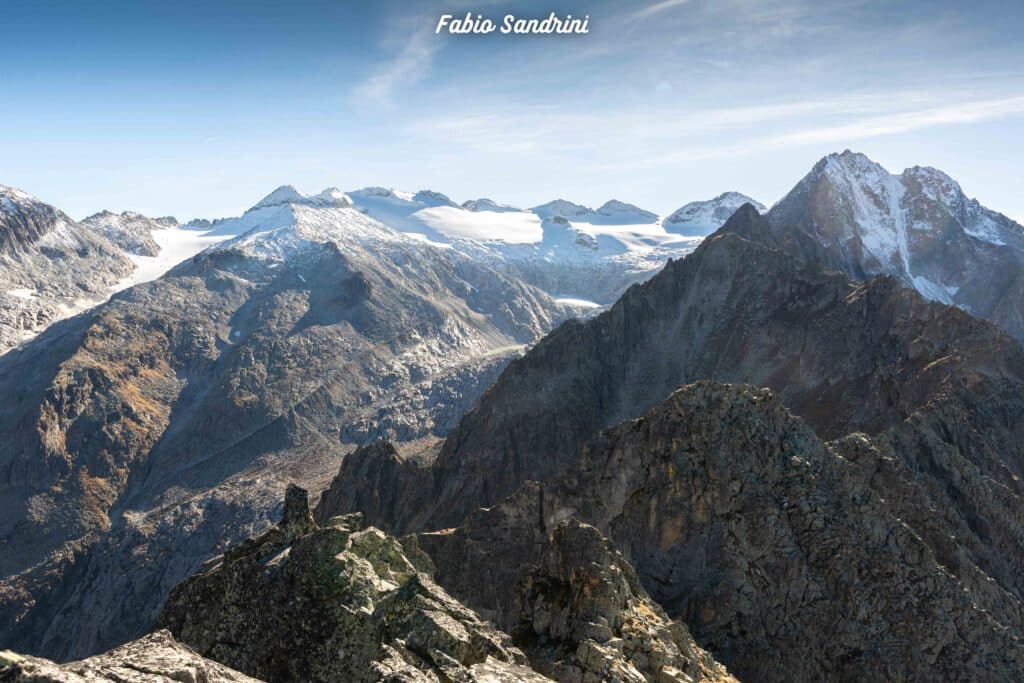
column 143, row 436
column 844, row 356
column 50, row 266
column 852, row 215
column 787, row 556
column 878, row 484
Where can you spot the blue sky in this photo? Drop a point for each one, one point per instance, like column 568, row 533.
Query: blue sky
column 200, row 108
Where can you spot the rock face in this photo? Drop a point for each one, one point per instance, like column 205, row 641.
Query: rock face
column 704, row 217
column 156, row 658
column 852, row 215
column 131, row 231
column 334, row 603
column 780, row 554
column 738, row 517
column 50, row 266
column 566, row 595
column 790, row 558
column 145, row 435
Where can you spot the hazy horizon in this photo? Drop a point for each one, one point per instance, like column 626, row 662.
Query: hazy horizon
column 198, row 109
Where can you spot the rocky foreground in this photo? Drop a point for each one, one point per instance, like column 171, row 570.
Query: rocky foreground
column 156, row 658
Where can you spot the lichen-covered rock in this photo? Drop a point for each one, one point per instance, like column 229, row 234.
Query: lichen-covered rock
column 334, row 603
column 156, row 658
column 567, row 596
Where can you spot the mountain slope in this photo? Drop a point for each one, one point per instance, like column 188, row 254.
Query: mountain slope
column 923, row 404
column 852, row 215
column 162, row 423
column 50, row 266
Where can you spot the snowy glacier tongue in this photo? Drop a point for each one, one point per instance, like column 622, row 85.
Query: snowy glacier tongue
column 176, row 245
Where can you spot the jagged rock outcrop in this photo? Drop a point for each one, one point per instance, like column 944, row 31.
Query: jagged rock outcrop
column 50, row 266
column 129, row 230
column 156, row 658
column 144, row 436
column 334, row 603
column 852, row 215
column 565, row 594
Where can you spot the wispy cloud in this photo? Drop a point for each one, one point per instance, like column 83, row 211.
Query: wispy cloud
column 626, row 140
column 907, row 121
column 412, row 64
column 656, row 8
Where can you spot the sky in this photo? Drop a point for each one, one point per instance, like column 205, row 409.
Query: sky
column 199, row 108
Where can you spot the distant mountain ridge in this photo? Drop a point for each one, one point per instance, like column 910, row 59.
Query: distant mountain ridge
column 129, row 230
column 50, row 265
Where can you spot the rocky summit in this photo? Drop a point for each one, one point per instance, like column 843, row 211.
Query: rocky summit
column 335, row 603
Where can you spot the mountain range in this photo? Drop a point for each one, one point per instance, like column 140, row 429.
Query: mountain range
column 557, row 443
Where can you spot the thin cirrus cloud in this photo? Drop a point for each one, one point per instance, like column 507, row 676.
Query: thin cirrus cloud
column 623, row 140
column 656, row 8
column 410, row 65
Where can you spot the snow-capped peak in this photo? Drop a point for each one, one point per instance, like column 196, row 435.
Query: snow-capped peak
column 614, row 207
column 484, row 204
column 287, row 194
column 432, row 198
column 332, row 196
column 918, row 226
column 13, row 199
column 561, row 207
column 704, row 217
